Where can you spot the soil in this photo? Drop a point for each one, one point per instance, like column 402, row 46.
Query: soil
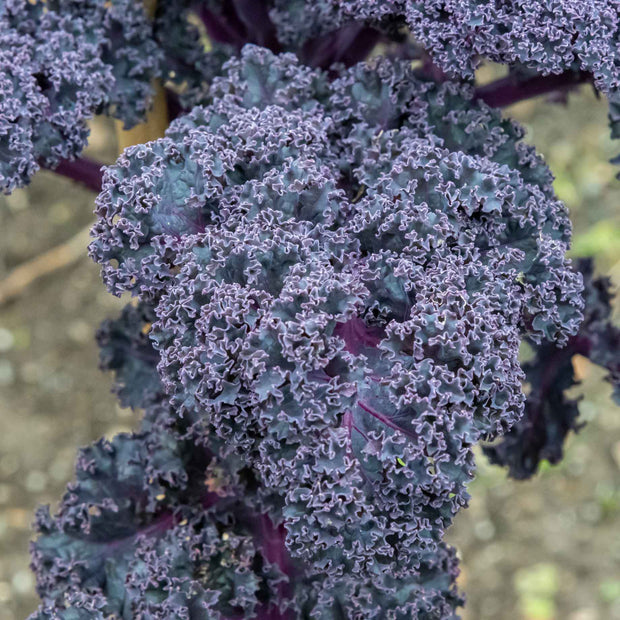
column 546, row 549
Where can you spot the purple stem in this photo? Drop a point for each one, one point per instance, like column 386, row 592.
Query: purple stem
column 384, row 420
column 358, row 336
column 430, row 70
column 348, row 44
column 220, row 30
column 360, row 47
column 255, row 17
column 157, row 528
column 347, row 422
column 511, row 89
column 82, row 170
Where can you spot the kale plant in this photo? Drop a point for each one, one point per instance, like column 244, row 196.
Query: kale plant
column 336, row 253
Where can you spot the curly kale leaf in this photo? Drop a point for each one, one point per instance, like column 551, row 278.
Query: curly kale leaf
column 126, row 349
column 548, row 37
column 61, row 62
column 341, row 273
column 140, row 534
column 550, row 415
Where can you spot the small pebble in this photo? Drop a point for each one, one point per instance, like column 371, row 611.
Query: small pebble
column 36, row 481
column 7, row 340
column 484, row 530
column 23, row 582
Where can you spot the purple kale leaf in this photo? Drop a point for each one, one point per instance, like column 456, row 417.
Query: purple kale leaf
column 52, row 78
column 61, row 62
column 126, row 349
column 139, row 534
column 548, row 37
column 550, row 415
column 342, row 272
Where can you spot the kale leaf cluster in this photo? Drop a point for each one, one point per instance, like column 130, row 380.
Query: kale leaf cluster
column 547, row 36
column 336, row 276
column 549, row 413
column 62, row 61
column 334, row 266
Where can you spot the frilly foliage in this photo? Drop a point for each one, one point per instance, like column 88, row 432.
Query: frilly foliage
column 547, row 36
column 158, row 525
column 549, row 414
column 335, row 265
column 65, row 60
column 61, row 61
column 335, row 276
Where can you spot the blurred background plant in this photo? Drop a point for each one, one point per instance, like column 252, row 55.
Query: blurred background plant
column 538, row 550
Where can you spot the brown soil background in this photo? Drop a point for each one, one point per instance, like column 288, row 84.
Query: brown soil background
column 546, row 549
